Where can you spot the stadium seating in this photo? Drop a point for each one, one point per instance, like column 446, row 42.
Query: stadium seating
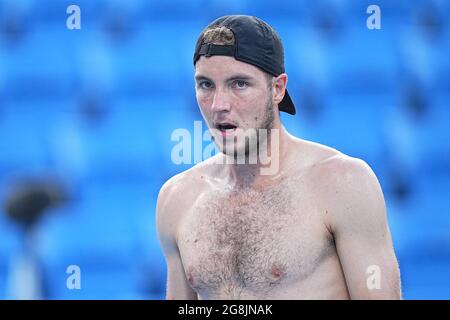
column 97, row 108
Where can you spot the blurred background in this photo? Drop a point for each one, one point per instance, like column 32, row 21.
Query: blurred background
column 86, row 118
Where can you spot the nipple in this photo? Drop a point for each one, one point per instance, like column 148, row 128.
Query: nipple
column 190, row 278
column 277, row 273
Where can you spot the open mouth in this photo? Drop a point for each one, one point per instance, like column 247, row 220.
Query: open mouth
column 226, row 128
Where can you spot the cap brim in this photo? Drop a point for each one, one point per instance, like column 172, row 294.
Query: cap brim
column 286, row 104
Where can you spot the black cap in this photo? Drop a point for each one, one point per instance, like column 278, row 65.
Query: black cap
column 256, row 43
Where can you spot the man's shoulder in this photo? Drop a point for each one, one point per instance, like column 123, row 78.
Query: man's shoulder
column 325, row 160
column 331, row 169
column 348, row 185
column 174, row 199
column 336, row 162
column 340, row 169
column 186, row 185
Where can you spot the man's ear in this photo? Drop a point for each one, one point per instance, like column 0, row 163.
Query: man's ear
column 279, row 87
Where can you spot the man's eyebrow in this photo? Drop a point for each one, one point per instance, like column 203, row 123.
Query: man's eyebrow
column 233, row 77
column 239, row 77
column 202, row 77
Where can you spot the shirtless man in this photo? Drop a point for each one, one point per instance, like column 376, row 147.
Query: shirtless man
column 315, row 229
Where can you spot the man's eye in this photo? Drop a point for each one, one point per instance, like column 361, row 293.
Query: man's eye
column 240, row 84
column 205, row 85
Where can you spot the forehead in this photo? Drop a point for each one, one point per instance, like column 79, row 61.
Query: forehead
column 223, row 66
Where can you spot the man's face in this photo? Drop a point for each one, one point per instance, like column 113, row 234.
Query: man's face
column 233, row 97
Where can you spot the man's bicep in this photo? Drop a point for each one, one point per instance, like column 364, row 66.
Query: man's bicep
column 177, row 286
column 166, row 221
column 370, row 267
column 362, row 236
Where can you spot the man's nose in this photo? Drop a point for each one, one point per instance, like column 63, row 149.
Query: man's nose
column 221, row 101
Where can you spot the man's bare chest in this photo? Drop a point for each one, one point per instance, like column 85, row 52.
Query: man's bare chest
column 250, row 240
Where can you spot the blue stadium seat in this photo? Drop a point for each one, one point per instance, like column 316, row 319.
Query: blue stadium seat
column 22, row 144
column 424, row 220
column 174, row 10
column 9, row 246
column 434, row 138
column 428, row 280
column 40, row 66
column 151, row 61
column 107, row 234
column 361, row 62
column 419, row 230
column 421, row 142
column 352, row 124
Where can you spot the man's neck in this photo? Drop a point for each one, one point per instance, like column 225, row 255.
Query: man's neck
column 245, row 175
